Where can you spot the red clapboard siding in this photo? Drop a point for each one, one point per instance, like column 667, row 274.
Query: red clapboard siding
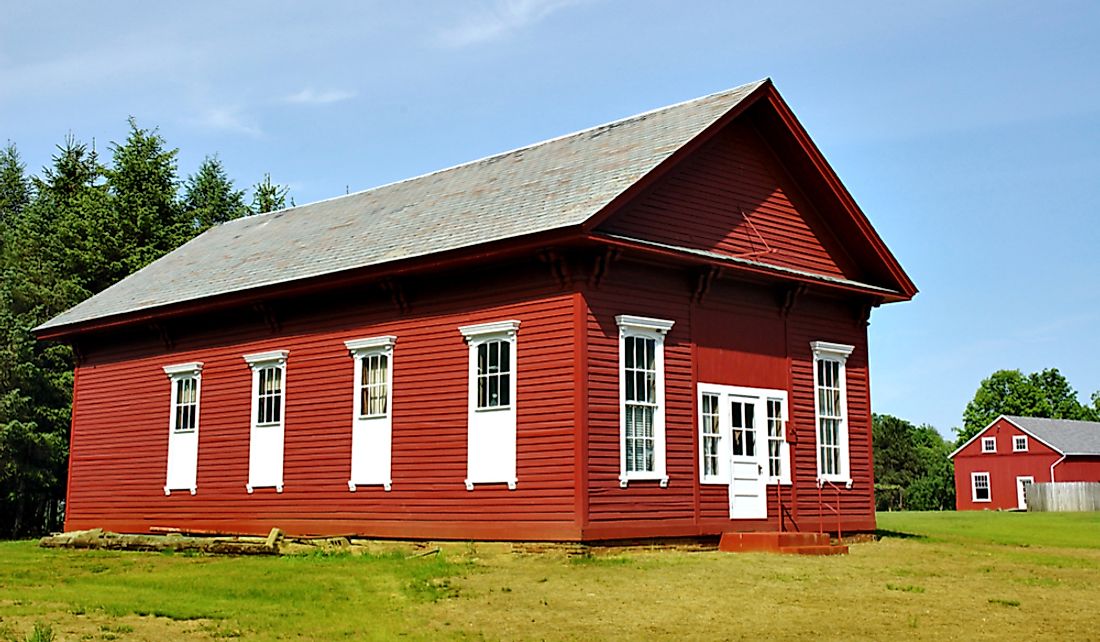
column 122, row 413
column 738, row 337
column 700, row 204
column 817, row 320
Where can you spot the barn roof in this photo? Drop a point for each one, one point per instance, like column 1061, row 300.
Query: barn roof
column 550, row 185
column 1066, row 436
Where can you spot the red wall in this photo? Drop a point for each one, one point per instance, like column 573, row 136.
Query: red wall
column 119, row 440
column 699, row 205
column 1003, row 467
column 737, row 336
column 1084, row 469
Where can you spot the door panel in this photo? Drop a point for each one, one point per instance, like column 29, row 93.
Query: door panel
column 748, row 484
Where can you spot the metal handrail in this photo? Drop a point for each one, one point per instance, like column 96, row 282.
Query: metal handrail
column 821, row 505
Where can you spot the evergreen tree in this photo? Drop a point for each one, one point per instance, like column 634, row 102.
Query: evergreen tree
column 209, row 197
column 41, row 277
column 15, row 189
column 268, row 196
column 144, row 188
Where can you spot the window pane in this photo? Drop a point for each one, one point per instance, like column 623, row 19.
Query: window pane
column 505, row 389
column 505, row 356
column 482, row 358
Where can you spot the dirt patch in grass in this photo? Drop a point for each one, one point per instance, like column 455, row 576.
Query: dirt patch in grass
column 101, row 626
column 892, row 588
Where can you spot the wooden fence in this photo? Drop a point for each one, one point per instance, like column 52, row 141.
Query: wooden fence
column 1063, row 497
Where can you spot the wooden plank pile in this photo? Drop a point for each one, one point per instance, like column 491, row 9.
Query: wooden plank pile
column 97, row 538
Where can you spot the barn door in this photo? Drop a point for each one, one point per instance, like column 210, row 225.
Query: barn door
column 1021, row 491
column 748, row 482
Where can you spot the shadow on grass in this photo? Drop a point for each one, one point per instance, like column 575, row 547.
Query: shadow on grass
column 881, row 533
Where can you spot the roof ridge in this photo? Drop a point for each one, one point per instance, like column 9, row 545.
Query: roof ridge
column 748, row 87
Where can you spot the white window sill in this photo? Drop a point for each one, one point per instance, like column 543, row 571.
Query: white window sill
column 168, row 489
column 493, row 408
column 773, row 481
column 840, row 481
column 624, row 480
column 714, row 482
column 182, row 432
column 981, row 501
column 365, row 417
column 268, row 425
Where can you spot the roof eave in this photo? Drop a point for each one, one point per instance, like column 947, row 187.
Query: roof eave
column 330, row 281
column 700, row 257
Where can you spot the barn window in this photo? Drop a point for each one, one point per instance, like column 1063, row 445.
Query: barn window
column 183, row 439
column 831, row 409
column 371, row 423
column 642, row 399
column 1019, row 444
column 491, row 430
column 989, row 444
column 265, row 448
column 979, row 485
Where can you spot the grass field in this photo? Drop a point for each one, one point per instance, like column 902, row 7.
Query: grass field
column 984, row 576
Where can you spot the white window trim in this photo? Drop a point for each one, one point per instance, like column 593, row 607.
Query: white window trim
column 360, row 348
column 974, row 489
column 763, row 394
column 992, row 448
column 258, row 361
column 1016, row 440
column 656, row 329
column 176, row 372
column 475, row 335
column 839, row 352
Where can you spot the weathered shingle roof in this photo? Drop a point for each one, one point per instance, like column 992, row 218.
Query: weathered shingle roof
column 554, row 184
column 1066, row 436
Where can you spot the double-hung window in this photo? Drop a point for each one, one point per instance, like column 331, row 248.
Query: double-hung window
column 979, row 487
column 831, row 410
column 371, row 422
column 642, row 399
column 183, row 432
column 265, row 446
column 1019, row 443
column 491, row 416
column 989, row 444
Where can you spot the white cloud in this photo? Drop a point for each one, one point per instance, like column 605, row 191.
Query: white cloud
column 309, row 96
column 499, row 19
column 230, row 119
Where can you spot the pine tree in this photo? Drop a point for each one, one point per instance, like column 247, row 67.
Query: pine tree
column 209, row 197
column 268, row 196
column 15, row 189
column 144, row 187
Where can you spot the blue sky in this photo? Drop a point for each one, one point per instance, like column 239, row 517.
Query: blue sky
column 968, row 131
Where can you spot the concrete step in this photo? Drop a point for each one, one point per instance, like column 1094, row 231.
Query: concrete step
column 769, row 541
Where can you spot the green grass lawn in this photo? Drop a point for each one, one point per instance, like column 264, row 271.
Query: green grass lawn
column 1060, row 530
column 977, row 575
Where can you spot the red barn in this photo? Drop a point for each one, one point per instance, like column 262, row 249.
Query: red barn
column 655, row 327
column 994, row 466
